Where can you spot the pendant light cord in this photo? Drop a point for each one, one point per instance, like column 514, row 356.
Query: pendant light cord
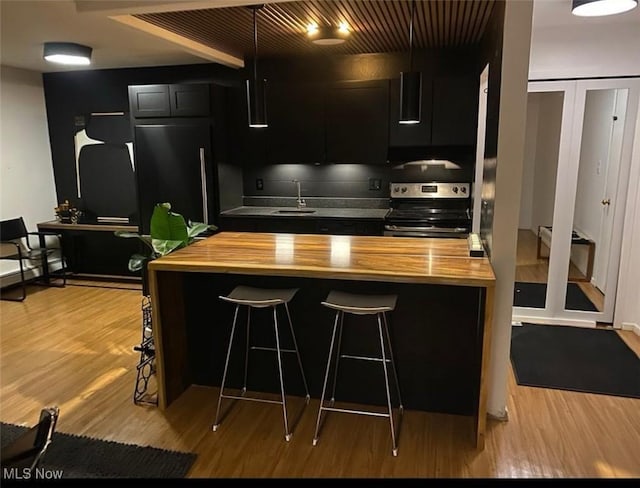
column 413, row 11
column 255, row 44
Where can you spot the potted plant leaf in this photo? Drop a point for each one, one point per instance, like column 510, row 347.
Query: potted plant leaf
column 169, row 231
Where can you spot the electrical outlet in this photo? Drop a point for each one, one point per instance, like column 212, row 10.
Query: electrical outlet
column 259, row 184
column 374, row 183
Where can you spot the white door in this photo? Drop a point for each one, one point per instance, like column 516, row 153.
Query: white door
column 593, row 159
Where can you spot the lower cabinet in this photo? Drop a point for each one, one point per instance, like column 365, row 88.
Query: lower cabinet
column 296, row 225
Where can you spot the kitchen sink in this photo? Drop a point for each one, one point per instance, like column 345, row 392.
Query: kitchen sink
column 295, row 211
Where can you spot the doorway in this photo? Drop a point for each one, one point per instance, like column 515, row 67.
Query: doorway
column 577, row 159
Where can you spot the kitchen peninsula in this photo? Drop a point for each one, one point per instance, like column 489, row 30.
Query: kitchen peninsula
column 440, row 327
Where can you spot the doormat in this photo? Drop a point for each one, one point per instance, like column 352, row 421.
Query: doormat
column 534, row 295
column 574, row 358
column 84, row 457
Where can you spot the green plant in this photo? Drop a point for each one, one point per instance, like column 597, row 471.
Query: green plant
column 169, row 231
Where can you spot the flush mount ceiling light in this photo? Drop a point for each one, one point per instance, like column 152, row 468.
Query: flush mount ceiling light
column 596, row 8
column 327, row 35
column 67, row 53
column 256, row 100
column 410, row 85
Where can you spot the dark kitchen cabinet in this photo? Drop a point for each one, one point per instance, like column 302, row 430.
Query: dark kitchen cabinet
column 174, row 164
column 455, row 111
column 357, row 122
column 296, row 123
column 449, row 115
column 302, row 225
column 180, row 100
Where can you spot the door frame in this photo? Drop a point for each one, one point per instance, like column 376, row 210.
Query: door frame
column 567, row 175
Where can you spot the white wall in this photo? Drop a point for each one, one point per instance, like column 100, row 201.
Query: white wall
column 585, row 50
column 26, row 171
column 528, row 170
column 627, row 312
column 546, row 161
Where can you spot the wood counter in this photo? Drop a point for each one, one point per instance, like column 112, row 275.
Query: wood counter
column 442, row 321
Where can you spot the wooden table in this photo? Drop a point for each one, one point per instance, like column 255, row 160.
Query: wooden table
column 92, row 250
column 445, row 305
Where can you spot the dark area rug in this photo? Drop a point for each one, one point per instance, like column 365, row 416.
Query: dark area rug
column 85, row 457
column 534, row 295
column 573, row 358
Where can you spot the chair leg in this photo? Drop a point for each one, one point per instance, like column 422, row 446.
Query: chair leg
column 386, row 384
column 295, row 345
column 393, row 363
column 246, row 352
column 338, row 351
column 226, row 366
column 287, row 434
column 22, row 285
column 326, row 377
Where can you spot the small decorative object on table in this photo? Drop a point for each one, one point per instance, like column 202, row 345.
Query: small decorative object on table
column 67, row 214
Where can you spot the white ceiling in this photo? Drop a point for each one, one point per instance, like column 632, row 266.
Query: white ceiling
column 27, row 24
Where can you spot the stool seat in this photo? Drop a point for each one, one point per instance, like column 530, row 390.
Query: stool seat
column 360, row 304
column 259, row 297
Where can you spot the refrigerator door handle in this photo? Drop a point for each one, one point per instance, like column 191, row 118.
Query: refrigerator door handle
column 203, row 178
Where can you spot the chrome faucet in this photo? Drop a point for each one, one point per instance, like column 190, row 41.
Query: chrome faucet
column 300, row 202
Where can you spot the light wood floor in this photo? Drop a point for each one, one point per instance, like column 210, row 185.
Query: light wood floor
column 530, row 269
column 73, row 348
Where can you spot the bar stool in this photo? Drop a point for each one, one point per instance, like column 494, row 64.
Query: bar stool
column 261, row 298
column 376, row 305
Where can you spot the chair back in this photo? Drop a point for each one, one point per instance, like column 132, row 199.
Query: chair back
column 12, row 229
column 27, row 450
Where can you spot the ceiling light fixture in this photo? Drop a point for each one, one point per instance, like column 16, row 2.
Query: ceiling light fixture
column 410, row 84
column 596, row 8
column 256, row 100
column 326, row 35
column 67, row 53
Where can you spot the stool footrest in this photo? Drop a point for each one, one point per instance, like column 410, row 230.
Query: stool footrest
column 261, row 400
column 364, row 358
column 273, row 349
column 354, row 411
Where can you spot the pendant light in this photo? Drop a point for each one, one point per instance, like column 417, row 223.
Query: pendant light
column 596, row 8
column 410, row 84
column 256, row 102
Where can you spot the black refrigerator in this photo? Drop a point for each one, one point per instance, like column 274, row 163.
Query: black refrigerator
column 174, row 161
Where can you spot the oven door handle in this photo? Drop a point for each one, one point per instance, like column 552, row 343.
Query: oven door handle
column 402, row 228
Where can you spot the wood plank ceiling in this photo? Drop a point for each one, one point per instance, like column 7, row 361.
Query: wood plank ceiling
column 376, row 26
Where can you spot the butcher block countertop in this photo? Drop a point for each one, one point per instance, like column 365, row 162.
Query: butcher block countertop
column 367, row 258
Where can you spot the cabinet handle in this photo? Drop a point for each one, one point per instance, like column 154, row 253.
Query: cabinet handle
column 203, row 178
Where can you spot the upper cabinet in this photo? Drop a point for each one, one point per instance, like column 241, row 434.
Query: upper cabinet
column 182, row 100
column 449, row 115
column 357, row 122
column 309, row 122
column 295, row 113
column 455, row 111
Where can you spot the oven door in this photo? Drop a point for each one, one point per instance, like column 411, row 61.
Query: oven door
column 425, row 231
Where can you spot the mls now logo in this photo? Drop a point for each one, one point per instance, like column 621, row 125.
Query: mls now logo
column 31, row 474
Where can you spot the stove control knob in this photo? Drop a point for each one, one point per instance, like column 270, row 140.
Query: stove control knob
column 455, row 189
column 404, row 189
column 463, row 189
column 396, row 189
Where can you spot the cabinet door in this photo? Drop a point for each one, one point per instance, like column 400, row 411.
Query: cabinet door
column 402, row 135
column 296, row 123
column 169, row 162
column 357, row 122
column 149, row 101
column 455, row 111
column 190, row 100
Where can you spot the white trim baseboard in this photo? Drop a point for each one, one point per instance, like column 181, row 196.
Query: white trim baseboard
column 635, row 328
column 30, row 272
